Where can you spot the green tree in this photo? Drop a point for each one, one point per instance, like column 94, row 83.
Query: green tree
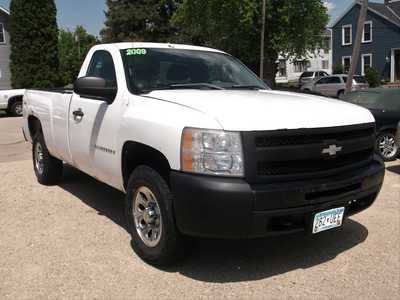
column 73, row 47
column 34, row 38
column 139, row 20
column 292, row 28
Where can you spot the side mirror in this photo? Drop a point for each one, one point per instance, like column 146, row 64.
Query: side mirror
column 96, row 88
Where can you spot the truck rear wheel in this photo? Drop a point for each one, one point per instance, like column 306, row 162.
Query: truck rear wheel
column 150, row 218
column 48, row 169
column 16, row 109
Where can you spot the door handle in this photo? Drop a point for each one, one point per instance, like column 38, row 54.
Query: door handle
column 78, row 114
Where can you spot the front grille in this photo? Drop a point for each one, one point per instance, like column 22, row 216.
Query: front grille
column 297, row 154
column 310, row 165
column 299, row 139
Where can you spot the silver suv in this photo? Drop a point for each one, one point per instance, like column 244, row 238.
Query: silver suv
column 335, row 85
column 311, row 76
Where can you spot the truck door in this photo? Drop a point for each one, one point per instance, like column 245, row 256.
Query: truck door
column 86, row 117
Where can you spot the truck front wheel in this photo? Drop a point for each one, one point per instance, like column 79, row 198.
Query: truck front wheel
column 48, row 169
column 150, row 218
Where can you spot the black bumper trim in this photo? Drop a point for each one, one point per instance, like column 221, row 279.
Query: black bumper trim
column 232, row 208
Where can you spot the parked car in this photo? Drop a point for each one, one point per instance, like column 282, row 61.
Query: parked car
column 311, row 76
column 11, row 101
column 385, row 106
column 202, row 147
column 334, row 86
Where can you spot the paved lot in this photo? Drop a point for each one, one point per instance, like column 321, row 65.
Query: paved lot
column 70, row 241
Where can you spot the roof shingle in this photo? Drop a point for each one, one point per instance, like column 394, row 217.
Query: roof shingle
column 385, row 11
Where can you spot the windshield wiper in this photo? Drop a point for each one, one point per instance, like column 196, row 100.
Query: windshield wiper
column 247, row 87
column 180, row 86
column 194, row 85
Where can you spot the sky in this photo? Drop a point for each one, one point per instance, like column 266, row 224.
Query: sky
column 90, row 13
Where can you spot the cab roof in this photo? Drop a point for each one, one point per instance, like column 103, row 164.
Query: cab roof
column 122, row 46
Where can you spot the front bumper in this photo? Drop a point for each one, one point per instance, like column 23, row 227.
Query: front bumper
column 231, row 208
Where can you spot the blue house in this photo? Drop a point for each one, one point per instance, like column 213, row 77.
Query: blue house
column 380, row 42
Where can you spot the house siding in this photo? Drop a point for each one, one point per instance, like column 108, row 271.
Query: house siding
column 385, row 37
column 5, row 49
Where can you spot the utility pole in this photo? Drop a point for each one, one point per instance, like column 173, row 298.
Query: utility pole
column 78, row 41
column 262, row 40
column 357, row 45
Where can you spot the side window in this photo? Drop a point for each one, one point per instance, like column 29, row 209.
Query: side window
column 323, row 81
column 102, row 65
column 333, row 80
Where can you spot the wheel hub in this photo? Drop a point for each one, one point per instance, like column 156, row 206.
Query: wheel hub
column 39, row 158
column 147, row 217
column 150, row 215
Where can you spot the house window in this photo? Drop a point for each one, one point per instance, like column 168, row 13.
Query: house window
column 282, row 68
column 347, row 34
column 325, row 64
column 326, row 44
column 2, row 34
column 301, row 66
column 346, row 62
column 366, row 62
column 367, row 34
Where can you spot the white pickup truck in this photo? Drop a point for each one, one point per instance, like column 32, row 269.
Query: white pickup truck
column 11, row 101
column 202, row 147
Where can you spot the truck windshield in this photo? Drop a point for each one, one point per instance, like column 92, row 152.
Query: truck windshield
column 149, row 69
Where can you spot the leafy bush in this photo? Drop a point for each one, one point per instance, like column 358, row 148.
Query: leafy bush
column 338, row 69
column 372, row 77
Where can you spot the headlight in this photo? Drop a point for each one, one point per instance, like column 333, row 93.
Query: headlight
column 212, row 152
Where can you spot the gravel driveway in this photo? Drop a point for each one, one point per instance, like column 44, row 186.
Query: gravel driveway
column 70, row 241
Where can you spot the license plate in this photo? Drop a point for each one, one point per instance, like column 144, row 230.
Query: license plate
column 328, row 219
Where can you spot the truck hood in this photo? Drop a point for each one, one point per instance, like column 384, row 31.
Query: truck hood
column 246, row 110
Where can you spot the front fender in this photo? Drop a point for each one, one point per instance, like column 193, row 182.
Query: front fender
column 159, row 124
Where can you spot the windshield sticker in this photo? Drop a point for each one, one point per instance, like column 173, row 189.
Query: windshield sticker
column 136, row 51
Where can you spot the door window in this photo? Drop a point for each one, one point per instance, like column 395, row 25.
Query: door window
column 329, row 80
column 323, row 81
column 102, row 65
column 333, row 80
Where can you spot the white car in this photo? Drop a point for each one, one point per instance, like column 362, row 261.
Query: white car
column 202, row 147
column 334, row 85
column 311, row 76
column 11, row 101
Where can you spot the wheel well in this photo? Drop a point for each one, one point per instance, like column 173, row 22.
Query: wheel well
column 135, row 154
column 34, row 125
column 386, row 130
column 13, row 100
column 340, row 91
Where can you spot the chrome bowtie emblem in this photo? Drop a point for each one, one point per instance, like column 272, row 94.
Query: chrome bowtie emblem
column 332, row 150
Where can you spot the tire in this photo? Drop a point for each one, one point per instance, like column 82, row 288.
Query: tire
column 340, row 95
column 48, row 169
column 16, row 109
column 386, row 146
column 167, row 245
